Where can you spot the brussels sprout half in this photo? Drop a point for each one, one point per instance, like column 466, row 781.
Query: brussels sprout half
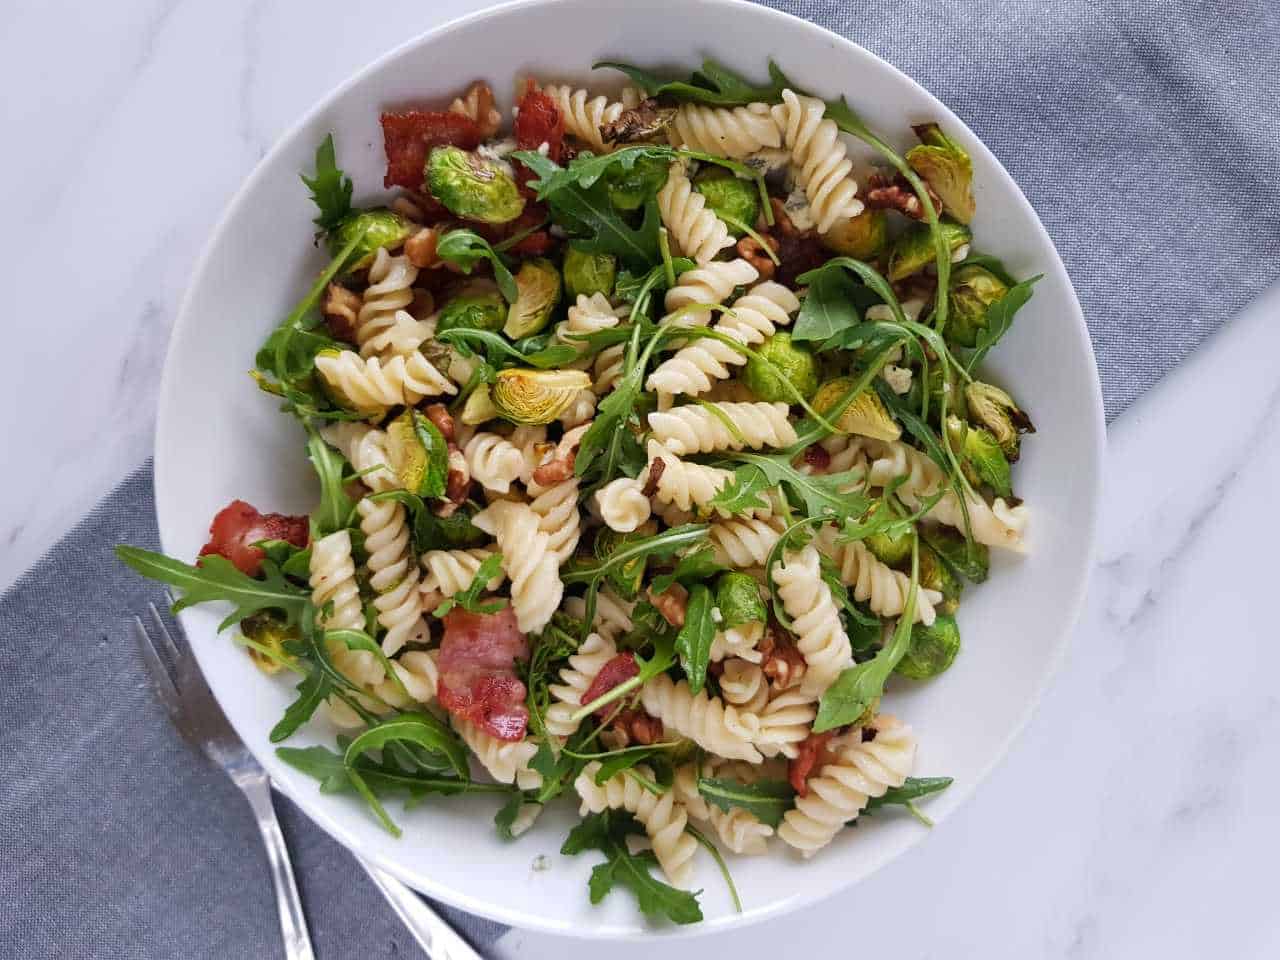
column 863, row 237
column 933, row 649
column 479, row 407
column 793, row 362
column 969, row 560
column 536, row 396
column 983, row 454
column 629, row 189
column 890, row 548
column 936, row 575
column 538, row 283
column 475, row 307
column 738, row 600
column 588, row 273
column 865, row 415
column 913, row 249
column 992, row 408
column 973, row 290
column 380, row 227
column 268, row 630
column 418, row 453
column 472, row 187
column 947, row 168
column 731, row 199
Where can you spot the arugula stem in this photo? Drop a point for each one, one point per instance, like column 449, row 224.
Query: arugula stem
column 664, row 248
column 918, row 814
column 750, row 231
column 313, row 295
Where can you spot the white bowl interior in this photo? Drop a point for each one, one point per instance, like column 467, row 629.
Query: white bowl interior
column 219, row 438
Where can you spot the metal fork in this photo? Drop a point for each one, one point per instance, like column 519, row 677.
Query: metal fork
column 192, row 709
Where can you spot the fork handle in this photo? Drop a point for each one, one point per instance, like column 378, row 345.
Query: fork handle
column 293, row 923
column 438, row 940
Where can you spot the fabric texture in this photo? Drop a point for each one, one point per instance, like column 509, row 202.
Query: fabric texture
column 116, row 838
column 1144, row 133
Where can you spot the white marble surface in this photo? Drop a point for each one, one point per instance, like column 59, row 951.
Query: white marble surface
column 1136, row 816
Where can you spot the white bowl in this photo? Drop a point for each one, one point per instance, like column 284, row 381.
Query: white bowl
column 218, row 438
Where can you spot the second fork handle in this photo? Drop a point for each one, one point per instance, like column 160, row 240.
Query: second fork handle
column 438, row 940
column 293, row 923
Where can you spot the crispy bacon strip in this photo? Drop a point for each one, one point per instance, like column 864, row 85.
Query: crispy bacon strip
column 621, row 668
column 477, row 664
column 238, row 526
column 408, row 138
column 811, row 755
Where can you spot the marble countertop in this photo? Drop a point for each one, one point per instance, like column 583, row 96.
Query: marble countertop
column 1135, row 816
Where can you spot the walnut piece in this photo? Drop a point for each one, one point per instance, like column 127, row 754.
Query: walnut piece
column 885, row 193
column 671, row 603
column 421, row 248
column 749, row 249
column 339, row 309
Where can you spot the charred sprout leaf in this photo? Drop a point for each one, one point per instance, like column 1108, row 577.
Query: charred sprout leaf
column 914, row 788
column 419, row 454
column 371, row 229
column 311, row 692
column 865, row 236
column 469, row 599
column 472, row 187
column 713, row 84
column 627, row 579
column 538, row 285
column 330, row 187
column 464, row 248
column 785, row 359
column 336, row 507
column 933, row 649
column 982, row 452
column 218, row 579
column 269, row 641
column 969, row 560
column 990, row 407
column 476, row 309
column 890, row 547
column 936, row 575
column 630, row 188
column 608, row 832
column 992, row 264
column 947, row 168
column 536, row 396
column 693, row 642
column 588, row 273
column 973, row 290
column 1000, row 318
column 767, row 800
column 913, row 250
column 865, row 415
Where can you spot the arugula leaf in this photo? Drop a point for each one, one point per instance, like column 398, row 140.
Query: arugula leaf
column 336, row 507
column 421, row 729
column 659, row 546
column 218, row 579
column 1000, row 318
column 587, row 214
column 496, row 347
column 330, row 187
column 695, row 566
column 505, row 818
column 608, row 832
column 693, row 642
column 587, row 168
column 463, row 248
column 829, row 307
column 766, row 800
column 311, row 691
column 713, row 84
column 859, row 687
column 831, row 495
column 914, row 788
column 615, row 761
column 468, row 599
column 359, row 640
column 330, row 769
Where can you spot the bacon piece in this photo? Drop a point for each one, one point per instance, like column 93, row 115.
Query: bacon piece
column 238, row 526
column 817, row 457
column 621, row 668
column 408, row 137
column 478, row 679
column 811, row 755
column 634, row 726
column 538, row 121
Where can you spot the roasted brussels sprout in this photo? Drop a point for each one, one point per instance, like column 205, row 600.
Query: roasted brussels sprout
column 969, row 560
column 732, row 200
column 536, row 396
column 381, row 228
column 738, row 600
column 936, row 575
column 913, row 249
column 890, row 548
column 538, row 282
column 992, row 408
column 944, row 386
column 629, row 189
column 478, row 306
column 588, row 273
column 794, row 362
column 973, row 290
column 627, row 578
column 268, row 630
column 983, row 454
column 479, row 407
column 865, row 415
column 472, row 187
column 864, row 236
column 933, row 649
column 418, row 453
column 947, row 168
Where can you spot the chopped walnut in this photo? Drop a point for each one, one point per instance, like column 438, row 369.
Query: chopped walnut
column 671, row 603
column 782, row 662
column 458, row 484
column 421, row 248
column 477, row 103
column 632, row 727
column 817, row 458
column 652, row 476
column 884, row 193
column 556, row 462
column 749, row 249
column 439, row 414
column 340, row 308
column 643, row 122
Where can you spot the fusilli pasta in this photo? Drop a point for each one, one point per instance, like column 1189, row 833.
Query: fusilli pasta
column 707, row 721
column 622, row 504
column 786, row 722
column 698, row 428
column 695, row 229
column 734, row 132
column 505, row 761
column 613, row 614
column 744, row 685
column 575, row 678
column 393, row 574
column 739, row 641
column 741, row 542
column 493, row 461
column 820, row 160
column 558, row 518
column 366, row 449
column 820, row 636
column 451, row 571
column 584, row 115
column 709, row 283
column 372, row 386
column 384, row 327
column 536, row 588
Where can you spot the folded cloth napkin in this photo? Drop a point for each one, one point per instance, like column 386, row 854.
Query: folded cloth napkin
column 116, row 839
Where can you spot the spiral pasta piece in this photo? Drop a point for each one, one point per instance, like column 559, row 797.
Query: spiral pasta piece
column 739, row 641
column 536, row 587
column 698, row 428
column 686, row 486
column 575, row 678
column 754, row 316
column 863, row 769
column 608, row 368
column 820, row 636
column 709, row 283
column 333, row 580
column 505, row 761
column 740, row 542
column 493, row 461
column 996, row 524
column 662, row 816
column 744, row 685
column 366, row 449
column 418, row 673
column 477, row 105
column 820, row 160
column 372, row 386
column 695, row 229
column 451, row 571
column 734, row 132
column 622, row 504
column 581, row 410
column 393, row 574
column 874, row 582
column 707, row 721
column 558, row 517
column 590, row 314
column 785, row 722
column 739, row 830
column 613, row 614
column 584, row 115
column 384, row 327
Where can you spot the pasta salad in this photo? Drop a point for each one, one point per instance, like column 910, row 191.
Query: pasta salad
column 652, row 446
